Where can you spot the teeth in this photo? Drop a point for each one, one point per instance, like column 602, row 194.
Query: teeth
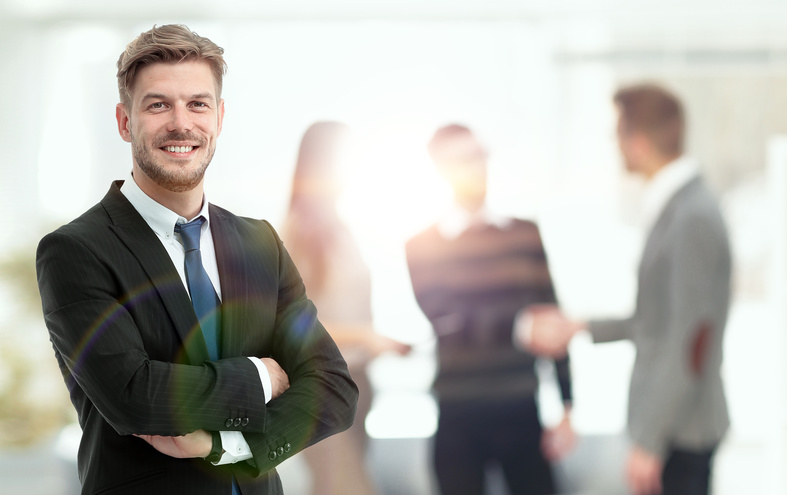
column 178, row 149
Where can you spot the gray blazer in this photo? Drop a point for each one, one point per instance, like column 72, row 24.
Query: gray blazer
column 676, row 399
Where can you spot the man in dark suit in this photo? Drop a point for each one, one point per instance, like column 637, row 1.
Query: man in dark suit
column 173, row 397
column 677, row 408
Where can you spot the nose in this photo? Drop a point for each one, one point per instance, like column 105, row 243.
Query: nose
column 180, row 119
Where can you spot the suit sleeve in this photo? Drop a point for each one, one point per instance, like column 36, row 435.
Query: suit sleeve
column 101, row 349
column 322, row 397
column 611, row 330
column 102, row 354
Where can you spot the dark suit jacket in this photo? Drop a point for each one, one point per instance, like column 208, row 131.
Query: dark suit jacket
column 132, row 354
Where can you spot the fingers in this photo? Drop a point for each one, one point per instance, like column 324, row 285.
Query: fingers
column 379, row 344
column 643, row 473
column 398, row 347
column 549, row 446
column 280, row 382
column 403, row 349
column 557, row 442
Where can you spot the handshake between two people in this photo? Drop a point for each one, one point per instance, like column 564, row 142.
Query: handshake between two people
column 545, row 331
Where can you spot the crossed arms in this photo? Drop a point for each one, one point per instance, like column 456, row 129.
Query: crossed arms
column 120, row 354
column 199, row 443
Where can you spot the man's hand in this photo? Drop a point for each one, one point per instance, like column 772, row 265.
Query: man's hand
column 643, row 472
column 279, row 379
column 544, row 331
column 376, row 344
column 195, row 444
column 557, row 442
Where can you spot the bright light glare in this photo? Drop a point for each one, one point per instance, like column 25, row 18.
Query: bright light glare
column 391, row 186
column 402, row 415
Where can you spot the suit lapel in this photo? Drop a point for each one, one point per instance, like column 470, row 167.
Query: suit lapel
column 233, row 275
column 135, row 233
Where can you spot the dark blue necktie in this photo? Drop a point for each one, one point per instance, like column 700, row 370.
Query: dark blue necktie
column 203, row 295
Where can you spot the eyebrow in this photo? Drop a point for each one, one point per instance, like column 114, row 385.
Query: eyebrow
column 160, row 96
column 203, row 96
column 153, row 96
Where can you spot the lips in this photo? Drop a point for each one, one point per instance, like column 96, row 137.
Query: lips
column 178, row 149
column 179, row 142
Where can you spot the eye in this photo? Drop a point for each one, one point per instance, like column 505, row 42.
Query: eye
column 157, row 105
column 199, row 104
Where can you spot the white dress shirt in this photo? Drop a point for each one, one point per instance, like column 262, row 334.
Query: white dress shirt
column 457, row 219
column 162, row 221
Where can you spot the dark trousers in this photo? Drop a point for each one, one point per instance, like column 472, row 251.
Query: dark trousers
column 687, row 472
column 472, row 435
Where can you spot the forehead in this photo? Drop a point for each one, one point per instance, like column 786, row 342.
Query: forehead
column 187, row 77
column 461, row 146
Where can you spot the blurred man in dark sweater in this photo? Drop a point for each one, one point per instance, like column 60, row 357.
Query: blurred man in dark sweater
column 472, row 273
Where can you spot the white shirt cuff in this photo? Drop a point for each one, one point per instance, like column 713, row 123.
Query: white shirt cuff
column 265, row 378
column 234, row 444
column 235, row 447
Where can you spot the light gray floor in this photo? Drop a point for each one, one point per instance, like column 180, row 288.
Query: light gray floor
column 400, row 467
column 37, row 471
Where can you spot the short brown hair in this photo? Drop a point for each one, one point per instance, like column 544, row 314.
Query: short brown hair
column 656, row 113
column 446, row 144
column 170, row 43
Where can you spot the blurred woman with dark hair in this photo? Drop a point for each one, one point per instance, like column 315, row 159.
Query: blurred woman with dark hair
column 338, row 282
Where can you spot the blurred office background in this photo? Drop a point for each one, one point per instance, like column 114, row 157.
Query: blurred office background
column 533, row 78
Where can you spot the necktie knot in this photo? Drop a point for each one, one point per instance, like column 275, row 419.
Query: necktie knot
column 190, row 233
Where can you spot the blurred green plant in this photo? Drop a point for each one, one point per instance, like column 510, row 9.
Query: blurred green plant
column 33, row 399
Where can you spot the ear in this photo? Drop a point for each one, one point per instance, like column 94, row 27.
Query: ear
column 124, row 124
column 220, row 116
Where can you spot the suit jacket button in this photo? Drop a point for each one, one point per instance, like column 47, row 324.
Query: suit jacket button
column 287, row 447
column 237, row 422
column 280, row 451
column 272, row 455
column 245, row 422
column 228, row 423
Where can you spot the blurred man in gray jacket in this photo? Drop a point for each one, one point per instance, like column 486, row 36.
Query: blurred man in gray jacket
column 677, row 408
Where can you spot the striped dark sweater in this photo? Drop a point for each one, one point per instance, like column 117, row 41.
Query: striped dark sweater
column 471, row 288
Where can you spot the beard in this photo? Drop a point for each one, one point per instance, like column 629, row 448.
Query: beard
column 179, row 179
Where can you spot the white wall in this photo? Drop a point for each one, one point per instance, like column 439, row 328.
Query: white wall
column 533, row 80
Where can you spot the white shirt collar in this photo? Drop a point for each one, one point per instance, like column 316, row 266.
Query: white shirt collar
column 457, row 220
column 160, row 218
column 663, row 186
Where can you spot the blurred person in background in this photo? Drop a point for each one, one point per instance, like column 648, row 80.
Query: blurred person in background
column 338, row 281
column 677, row 408
column 193, row 358
column 472, row 272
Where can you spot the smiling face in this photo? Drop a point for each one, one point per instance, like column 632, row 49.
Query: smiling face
column 172, row 122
